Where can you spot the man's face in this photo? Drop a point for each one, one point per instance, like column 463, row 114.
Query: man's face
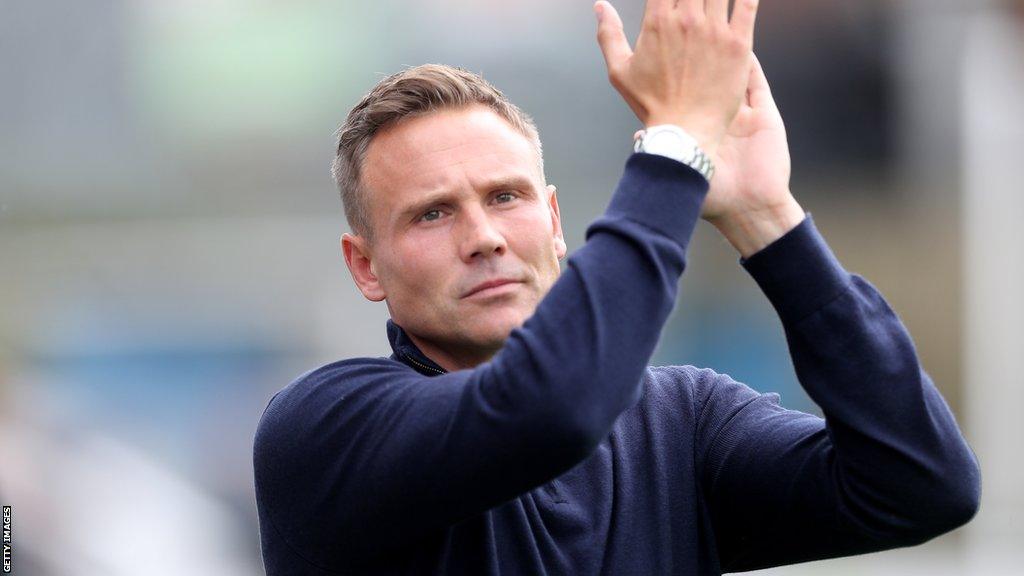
column 466, row 236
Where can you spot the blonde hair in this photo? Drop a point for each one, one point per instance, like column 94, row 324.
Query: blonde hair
column 410, row 93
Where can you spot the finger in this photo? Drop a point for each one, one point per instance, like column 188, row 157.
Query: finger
column 744, row 13
column 717, row 10
column 759, row 93
column 692, row 7
column 610, row 35
column 654, row 8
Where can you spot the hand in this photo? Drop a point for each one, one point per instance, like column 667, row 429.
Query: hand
column 690, row 66
column 750, row 201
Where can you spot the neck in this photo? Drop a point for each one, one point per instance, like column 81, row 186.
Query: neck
column 453, row 358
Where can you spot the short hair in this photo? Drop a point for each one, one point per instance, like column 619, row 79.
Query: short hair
column 413, row 92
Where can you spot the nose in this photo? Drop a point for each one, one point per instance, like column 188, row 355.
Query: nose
column 479, row 237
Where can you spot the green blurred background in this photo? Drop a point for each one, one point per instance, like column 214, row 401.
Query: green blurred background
column 169, row 236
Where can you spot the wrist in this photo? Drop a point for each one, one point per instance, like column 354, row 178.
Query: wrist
column 702, row 131
column 750, row 231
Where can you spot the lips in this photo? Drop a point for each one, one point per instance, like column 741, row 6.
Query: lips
column 489, row 284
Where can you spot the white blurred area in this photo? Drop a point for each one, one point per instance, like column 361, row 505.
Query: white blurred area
column 92, row 504
column 169, row 237
column 993, row 214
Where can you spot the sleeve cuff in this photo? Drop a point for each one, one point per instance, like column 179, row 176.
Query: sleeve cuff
column 662, row 194
column 798, row 272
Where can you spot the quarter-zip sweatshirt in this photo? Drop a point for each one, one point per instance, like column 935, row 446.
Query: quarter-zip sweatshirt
column 566, row 454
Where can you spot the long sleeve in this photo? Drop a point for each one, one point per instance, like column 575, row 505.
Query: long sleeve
column 886, row 467
column 363, row 456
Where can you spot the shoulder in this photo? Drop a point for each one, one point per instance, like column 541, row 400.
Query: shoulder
column 696, row 383
column 337, row 378
column 716, row 401
column 702, row 388
column 677, row 387
column 679, row 398
column 322, row 394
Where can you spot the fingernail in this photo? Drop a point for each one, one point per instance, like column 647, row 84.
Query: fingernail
column 599, row 9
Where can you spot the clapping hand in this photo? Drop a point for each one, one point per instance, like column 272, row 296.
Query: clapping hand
column 693, row 67
column 690, row 66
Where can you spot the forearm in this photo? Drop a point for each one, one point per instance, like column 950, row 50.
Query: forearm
column 902, row 463
column 886, row 467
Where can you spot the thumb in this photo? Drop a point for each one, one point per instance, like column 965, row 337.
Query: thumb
column 759, row 94
column 610, row 35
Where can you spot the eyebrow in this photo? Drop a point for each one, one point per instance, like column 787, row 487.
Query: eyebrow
column 448, row 197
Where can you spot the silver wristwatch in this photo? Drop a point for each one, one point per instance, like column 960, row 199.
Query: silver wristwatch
column 673, row 142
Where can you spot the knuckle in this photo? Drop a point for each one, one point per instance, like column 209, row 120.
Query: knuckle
column 748, row 5
column 620, row 71
column 717, row 35
column 689, row 21
column 738, row 45
column 614, row 77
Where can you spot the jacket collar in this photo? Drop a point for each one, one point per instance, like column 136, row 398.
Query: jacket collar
column 407, row 353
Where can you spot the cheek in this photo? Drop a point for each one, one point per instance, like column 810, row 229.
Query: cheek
column 533, row 242
column 534, row 233
column 415, row 270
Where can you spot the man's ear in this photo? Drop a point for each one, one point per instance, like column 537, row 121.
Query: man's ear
column 556, row 222
column 360, row 265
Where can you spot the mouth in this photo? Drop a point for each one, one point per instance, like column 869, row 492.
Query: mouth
column 491, row 287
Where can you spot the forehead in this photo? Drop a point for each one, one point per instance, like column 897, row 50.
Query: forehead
column 444, row 151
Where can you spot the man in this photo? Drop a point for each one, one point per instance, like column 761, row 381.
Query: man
column 517, row 429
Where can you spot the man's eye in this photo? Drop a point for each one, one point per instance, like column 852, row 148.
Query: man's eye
column 430, row 215
column 505, row 197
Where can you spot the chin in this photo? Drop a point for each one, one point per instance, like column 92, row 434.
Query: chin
column 494, row 335
column 495, row 329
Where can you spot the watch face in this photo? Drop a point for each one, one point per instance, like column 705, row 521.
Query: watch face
column 672, row 145
column 689, row 154
column 666, row 139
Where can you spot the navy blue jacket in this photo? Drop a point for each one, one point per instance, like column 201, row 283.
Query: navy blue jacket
column 567, row 454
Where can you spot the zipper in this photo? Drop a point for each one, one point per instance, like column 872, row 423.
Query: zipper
column 422, row 365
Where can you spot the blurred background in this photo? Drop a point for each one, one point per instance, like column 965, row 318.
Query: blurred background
column 169, row 236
